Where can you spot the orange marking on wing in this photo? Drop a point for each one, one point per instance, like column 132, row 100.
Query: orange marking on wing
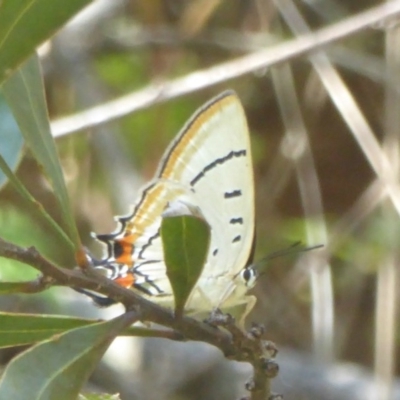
column 125, row 256
column 126, row 281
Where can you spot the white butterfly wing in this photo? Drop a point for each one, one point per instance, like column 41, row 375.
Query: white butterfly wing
column 212, row 157
column 209, row 165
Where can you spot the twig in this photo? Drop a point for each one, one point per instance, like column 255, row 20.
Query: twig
column 205, row 78
column 235, row 344
column 258, row 352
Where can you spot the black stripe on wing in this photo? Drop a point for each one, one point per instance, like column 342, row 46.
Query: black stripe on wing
column 216, row 162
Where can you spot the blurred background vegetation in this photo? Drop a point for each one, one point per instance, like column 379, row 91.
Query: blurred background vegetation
column 316, row 176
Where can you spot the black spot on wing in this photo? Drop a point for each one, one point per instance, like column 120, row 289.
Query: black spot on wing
column 238, row 220
column 118, row 249
column 215, row 252
column 232, row 194
column 236, row 239
column 216, row 162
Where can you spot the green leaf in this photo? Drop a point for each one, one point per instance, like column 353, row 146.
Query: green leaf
column 22, row 329
column 186, row 240
column 25, row 96
column 11, row 141
column 25, row 24
column 58, row 368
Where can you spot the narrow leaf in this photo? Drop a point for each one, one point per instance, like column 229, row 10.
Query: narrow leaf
column 25, row 96
column 22, row 329
column 25, row 24
column 186, row 240
column 58, row 368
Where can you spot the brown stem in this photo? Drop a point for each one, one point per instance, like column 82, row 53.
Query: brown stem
column 235, row 344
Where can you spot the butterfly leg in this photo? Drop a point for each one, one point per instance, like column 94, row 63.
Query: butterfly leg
column 249, row 305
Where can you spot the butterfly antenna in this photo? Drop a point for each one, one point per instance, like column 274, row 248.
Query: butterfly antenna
column 292, row 249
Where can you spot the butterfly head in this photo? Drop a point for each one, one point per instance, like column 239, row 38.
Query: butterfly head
column 249, row 276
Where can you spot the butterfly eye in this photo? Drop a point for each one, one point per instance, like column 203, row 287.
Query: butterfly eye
column 249, row 276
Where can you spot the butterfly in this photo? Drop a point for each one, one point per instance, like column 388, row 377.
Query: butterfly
column 207, row 166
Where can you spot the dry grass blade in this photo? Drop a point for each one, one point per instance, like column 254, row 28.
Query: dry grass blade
column 154, row 94
column 300, row 152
